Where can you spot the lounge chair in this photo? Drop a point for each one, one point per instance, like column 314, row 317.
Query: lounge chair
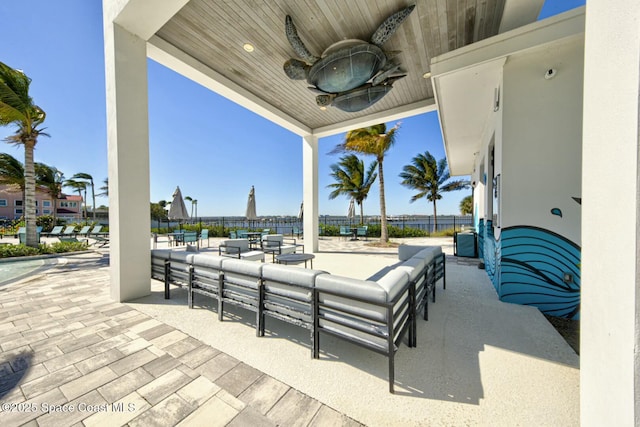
column 101, row 237
column 101, row 240
column 84, row 231
column 72, row 239
column 69, row 230
column 55, row 231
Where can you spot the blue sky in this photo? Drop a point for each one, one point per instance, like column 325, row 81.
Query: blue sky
column 213, row 149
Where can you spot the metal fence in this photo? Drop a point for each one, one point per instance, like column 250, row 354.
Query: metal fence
column 287, row 225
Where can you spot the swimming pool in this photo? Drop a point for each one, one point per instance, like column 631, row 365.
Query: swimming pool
column 11, row 271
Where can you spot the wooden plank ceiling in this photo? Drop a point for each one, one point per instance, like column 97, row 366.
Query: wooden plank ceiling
column 214, row 32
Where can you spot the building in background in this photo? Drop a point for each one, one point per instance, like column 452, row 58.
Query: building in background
column 67, row 207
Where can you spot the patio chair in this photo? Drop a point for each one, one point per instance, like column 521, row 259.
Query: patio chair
column 233, row 235
column 297, row 232
column 22, row 234
column 242, row 234
column 345, row 231
column 204, row 234
column 362, row 232
column 96, row 229
column 69, row 230
column 20, row 230
column 84, row 231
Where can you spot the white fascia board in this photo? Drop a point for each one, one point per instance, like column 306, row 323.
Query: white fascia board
column 186, row 65
column 464, row 100
column 569, row 24
column 397, row 113
column 142, row 18
column 474, row 57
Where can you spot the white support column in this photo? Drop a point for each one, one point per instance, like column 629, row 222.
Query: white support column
column 310, row 190
column 128, row 155
column 609, row 361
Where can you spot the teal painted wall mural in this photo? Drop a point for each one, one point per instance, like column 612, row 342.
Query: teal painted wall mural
column 533, row 266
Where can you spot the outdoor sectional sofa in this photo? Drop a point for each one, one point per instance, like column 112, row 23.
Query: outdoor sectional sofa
column 376, row 314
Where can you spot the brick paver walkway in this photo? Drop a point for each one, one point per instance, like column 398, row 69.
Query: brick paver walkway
column 70, row 356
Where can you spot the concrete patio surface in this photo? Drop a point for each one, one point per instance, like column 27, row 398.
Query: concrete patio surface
column 155, row 362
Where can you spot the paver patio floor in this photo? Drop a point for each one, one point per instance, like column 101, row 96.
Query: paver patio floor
column 72, row 356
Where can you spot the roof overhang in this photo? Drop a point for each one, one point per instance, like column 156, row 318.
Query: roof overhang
column 467, row 82
column 199, row 39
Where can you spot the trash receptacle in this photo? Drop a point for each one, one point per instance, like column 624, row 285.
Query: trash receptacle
column 465, row 244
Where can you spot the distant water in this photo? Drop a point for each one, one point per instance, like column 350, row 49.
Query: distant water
column 285, row 225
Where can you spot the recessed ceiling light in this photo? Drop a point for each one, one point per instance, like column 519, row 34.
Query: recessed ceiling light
column 426, row 75
column 323, row 108
column 248, row 47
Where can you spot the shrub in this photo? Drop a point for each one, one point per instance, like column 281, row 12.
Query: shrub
column 61, row 247
column 8, row 251
column 45, row 221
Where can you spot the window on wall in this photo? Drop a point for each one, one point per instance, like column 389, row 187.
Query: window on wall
column 46, row 211
column 489, row 182
column 17, row 211
column 17, row 203
column 495, row 189
column 3, row 202
column 68, row 204
column 46, row 203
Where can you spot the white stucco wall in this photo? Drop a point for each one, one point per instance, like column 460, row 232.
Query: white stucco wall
column 609, row 341
column 539, row 152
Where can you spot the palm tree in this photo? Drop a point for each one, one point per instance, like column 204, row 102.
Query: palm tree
column 375, row 141
column 193, row 202
column 78, row 186
column 17, row 108
column 429, row 177
column 88, row 178
column 104, row 190
column 351, row 180
column 466, row 205
column 11, row 171
column 52, row 180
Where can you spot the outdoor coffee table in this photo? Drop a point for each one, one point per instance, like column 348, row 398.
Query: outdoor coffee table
column 295, row 259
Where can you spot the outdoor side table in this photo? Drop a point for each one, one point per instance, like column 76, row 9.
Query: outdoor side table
column 287, row 259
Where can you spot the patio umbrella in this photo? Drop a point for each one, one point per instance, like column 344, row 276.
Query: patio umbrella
column 251, row 206
column 178, row 210
column 352, row 211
